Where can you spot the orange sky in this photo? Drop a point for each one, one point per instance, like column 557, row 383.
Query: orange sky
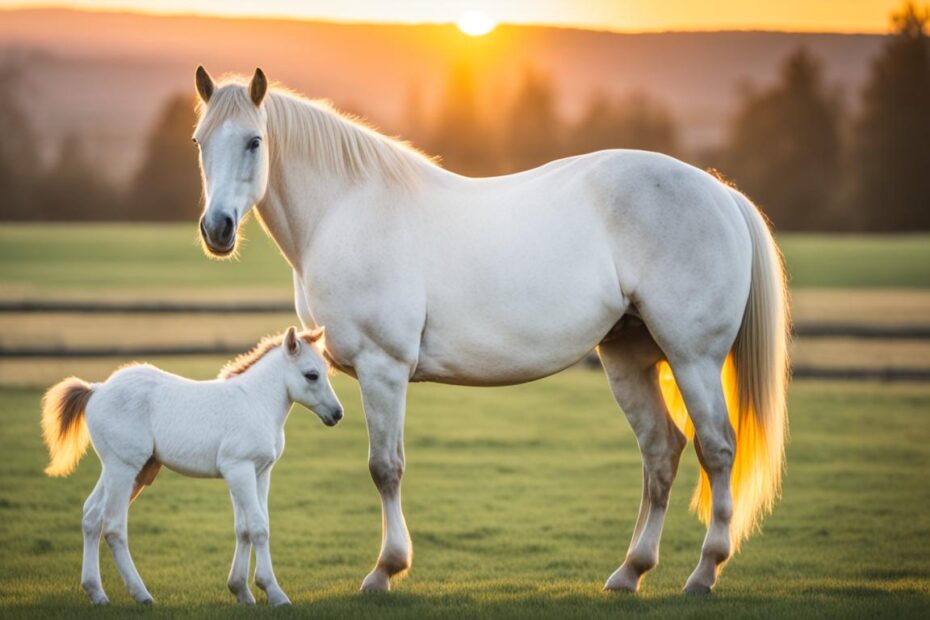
column 621, row 15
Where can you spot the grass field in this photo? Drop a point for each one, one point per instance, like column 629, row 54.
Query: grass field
column 520, row 500
column 147, row 259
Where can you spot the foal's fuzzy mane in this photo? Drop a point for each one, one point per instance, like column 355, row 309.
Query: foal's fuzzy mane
column 335, row 142
column 244, row 361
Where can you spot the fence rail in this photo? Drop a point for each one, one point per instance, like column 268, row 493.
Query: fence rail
column 47, row 352
column 145, row 307
column 803, row 330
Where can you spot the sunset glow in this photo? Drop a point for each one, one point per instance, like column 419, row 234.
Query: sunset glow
column 631, row 15
column 475, row 23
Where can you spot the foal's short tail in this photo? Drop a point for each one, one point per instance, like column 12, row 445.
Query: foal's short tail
column 63, row 426
column 754, row 378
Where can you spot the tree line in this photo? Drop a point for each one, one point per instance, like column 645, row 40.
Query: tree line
column 792, row 147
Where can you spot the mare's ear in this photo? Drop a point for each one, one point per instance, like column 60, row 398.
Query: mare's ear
column 204, row 82
column 290, row 341
column 258, row 87
column 316, row 334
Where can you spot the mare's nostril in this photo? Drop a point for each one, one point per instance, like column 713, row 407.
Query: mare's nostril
column 227, row 228
column 337, row 415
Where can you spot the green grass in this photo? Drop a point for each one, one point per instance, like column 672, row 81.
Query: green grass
column 68, row 259
column 857, row 261
column 65, row 259
column 520, row 502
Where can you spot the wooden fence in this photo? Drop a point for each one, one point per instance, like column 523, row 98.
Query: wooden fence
column 803, row 330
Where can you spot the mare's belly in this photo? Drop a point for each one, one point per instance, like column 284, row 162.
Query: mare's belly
column 506, row 340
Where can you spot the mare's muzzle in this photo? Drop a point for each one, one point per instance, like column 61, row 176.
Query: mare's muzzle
column 218, row 233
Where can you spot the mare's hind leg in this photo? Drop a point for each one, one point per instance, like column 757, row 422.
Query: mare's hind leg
column 696, row 338
column 92, row 526
column 629, row 361
column 699, row 382
column 119, row 480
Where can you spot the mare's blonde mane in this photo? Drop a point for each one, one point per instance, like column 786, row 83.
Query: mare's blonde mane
column 334, row 142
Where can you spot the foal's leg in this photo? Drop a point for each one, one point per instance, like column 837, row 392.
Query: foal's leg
column 92, row 525
column 243, row 486
column 264, row 573
column 384, row 393
column 630, row 368
column 119, row 480
column 238, row 581
column 699, row 382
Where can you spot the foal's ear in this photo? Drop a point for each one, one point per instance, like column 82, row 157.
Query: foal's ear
column 258, row 87
column 290, row 341
column 204, row 82
column 316, row 334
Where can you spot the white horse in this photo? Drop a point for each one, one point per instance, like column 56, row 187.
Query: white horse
column 420, row 274
column 232, row 428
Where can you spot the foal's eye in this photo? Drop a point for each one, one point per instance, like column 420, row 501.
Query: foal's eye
column 311, row 376
column 253, row 144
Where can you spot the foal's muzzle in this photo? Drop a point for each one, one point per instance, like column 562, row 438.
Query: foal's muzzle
column 219, row 234
column 333, row 418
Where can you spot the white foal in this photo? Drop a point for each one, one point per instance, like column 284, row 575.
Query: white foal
column 232, row 428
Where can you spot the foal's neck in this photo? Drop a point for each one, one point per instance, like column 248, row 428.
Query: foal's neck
column 265, row 380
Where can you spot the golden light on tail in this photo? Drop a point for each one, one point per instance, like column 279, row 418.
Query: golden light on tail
column 754, row 379
column 64, row 429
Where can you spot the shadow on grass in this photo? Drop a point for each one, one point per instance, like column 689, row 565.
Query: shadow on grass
column 507, row 600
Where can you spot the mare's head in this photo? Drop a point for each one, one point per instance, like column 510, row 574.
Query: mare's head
column 234, row 159
column 306, row 375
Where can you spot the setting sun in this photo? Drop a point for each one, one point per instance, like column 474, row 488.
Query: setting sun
column 475, row 23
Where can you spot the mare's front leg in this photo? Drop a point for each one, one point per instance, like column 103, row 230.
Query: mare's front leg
column 384, row 392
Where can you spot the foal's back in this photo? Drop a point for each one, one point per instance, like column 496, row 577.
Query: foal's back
column 142, row 412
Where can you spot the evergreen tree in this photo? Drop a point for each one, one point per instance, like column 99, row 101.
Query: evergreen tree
column 784, row 148
column 533, row 128
column 459, row 137
column 72, row 188
column 637, row 122
column 892, row 137
column 168, row 186
column 19, row 161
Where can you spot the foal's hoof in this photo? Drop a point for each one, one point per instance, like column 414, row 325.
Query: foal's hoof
column 100, row 600
column 146, row 601
column 376, row 581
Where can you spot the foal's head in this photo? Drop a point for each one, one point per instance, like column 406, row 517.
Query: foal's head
column 234, row 159
column 306, row 377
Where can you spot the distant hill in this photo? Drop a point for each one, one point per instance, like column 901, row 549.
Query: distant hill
column 104, row 76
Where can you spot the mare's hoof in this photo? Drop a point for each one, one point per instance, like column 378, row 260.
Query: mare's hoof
column 376, row 581
column 623, row 580
column 694, row 589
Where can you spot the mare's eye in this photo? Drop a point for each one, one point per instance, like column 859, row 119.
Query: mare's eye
column 311, row 376
column 253, row 144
